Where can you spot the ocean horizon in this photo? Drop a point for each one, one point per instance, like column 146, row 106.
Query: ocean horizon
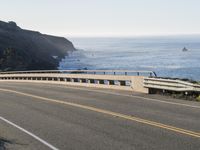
column 162, row 54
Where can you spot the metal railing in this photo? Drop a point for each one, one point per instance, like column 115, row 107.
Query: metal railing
column 171, row 84
column 99, row 72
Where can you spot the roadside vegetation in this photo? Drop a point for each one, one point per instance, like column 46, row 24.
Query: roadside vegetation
column 191, row 96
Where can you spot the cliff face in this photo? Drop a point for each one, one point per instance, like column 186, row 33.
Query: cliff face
column 29, row 50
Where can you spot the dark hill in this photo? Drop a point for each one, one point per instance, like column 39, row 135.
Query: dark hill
column 29, row 50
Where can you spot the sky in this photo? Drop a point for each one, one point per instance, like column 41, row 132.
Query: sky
column 95, row 18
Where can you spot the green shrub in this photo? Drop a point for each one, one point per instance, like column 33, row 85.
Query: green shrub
column 198, row 98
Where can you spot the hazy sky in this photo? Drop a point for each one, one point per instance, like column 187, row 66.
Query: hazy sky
column 104, row 17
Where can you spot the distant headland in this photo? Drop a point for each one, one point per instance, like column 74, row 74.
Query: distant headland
column 30, row 50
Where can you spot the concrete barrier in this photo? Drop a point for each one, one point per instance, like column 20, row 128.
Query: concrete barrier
column 109, row 81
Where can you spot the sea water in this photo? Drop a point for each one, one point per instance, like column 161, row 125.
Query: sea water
column 163, row 55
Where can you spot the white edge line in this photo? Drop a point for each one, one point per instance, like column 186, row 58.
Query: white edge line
column 29, row 133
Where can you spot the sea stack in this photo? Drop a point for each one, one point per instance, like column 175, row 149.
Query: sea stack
column 184, row 49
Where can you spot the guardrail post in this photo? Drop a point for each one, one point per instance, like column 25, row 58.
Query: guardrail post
column 117, row 83
column 88, row 81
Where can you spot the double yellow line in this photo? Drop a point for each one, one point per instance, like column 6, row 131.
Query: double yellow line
column 110, row 113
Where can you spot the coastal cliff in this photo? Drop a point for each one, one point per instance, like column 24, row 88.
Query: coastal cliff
column 30, row 50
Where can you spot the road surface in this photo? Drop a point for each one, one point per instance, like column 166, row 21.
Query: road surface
column 47, row 116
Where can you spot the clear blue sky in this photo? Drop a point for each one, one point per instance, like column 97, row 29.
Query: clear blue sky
column 104, row 17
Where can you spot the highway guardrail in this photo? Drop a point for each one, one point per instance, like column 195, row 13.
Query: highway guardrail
column 171, row 84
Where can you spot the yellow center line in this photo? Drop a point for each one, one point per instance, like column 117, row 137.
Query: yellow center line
column 107, row 112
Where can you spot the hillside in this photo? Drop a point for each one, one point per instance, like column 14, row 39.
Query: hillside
column 30, row 50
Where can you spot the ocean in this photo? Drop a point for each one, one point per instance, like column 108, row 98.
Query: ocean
column 163, row 55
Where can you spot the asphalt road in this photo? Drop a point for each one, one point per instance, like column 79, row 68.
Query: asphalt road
column 47, row 116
